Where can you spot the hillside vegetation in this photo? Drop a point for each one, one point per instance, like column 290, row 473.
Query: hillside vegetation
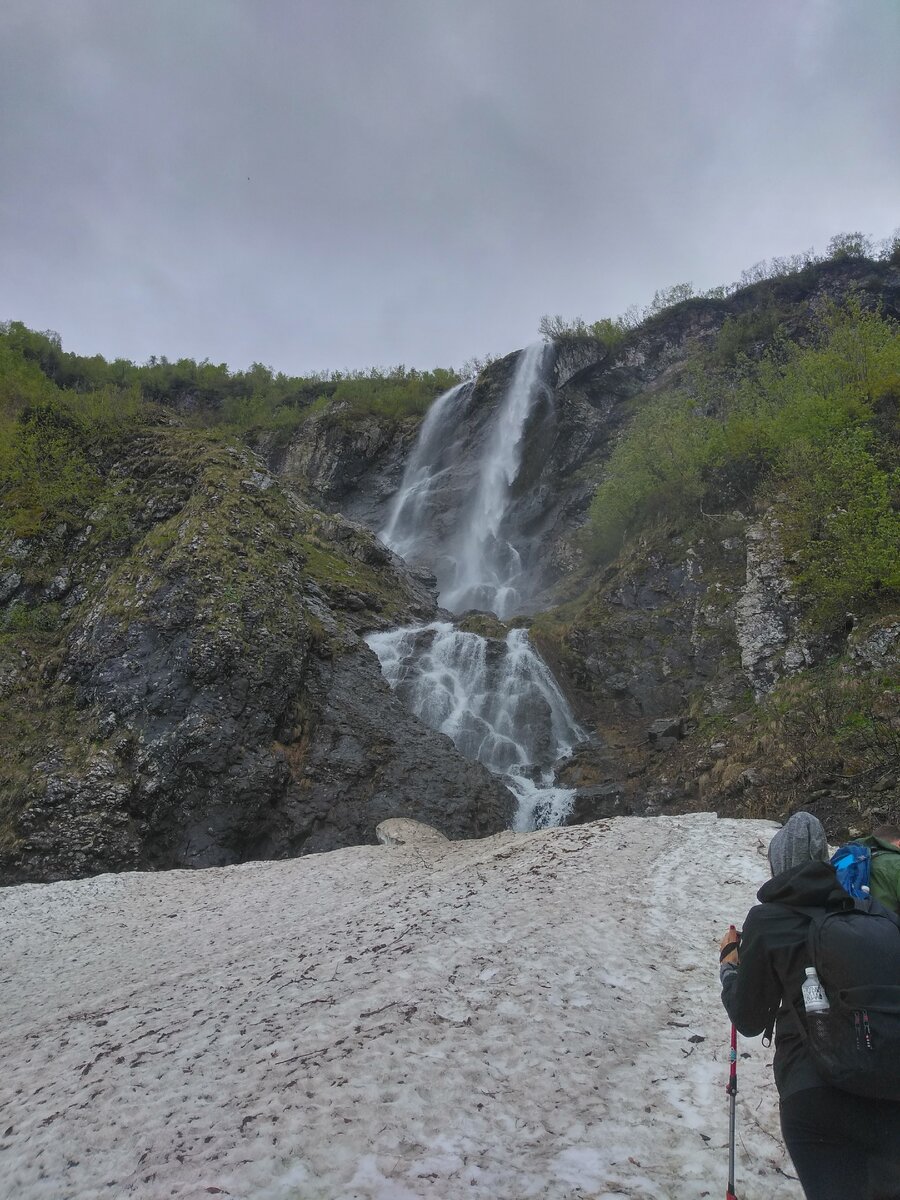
column 34, row 368
column 811, row 429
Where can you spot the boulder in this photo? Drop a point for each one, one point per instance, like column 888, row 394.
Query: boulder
column 400, row 831
column 597, row 803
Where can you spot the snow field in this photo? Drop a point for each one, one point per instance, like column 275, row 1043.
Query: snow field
column 530, row 1015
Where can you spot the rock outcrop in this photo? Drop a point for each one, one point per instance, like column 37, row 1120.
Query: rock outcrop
column 206, row 697
column 767, row 613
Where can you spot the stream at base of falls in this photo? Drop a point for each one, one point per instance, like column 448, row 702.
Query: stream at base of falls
column 455, row 512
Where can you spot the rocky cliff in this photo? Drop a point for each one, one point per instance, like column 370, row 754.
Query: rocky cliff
column 355, row 465
column 186, row 684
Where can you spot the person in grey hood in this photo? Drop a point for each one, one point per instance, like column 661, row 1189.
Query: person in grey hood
column 844, row 1146
column 802, row 839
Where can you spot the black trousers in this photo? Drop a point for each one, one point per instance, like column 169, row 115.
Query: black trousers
column 844, row 1147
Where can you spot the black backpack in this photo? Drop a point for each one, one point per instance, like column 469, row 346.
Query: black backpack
column 856, row 1044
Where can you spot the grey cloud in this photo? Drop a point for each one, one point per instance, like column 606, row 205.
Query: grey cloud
column 375, row 181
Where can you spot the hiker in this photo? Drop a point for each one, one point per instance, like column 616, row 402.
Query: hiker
column 884, row 874
column 843, row 1146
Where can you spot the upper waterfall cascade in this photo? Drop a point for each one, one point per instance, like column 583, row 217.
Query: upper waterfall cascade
column 432, row 458
column 497, row 701
column 468, row 536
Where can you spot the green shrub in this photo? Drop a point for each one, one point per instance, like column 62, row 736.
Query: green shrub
column 608, row 331
column 21, row 382
column 741, row 335
column 842, row 519
column 45, row 474
column 32, row 619
column 849, row 245
column 655, row 471
column 395, row 394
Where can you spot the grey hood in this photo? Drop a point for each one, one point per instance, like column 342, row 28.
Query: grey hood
column 801, row 840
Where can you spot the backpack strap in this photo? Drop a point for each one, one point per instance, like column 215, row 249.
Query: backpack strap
column 769, row 1029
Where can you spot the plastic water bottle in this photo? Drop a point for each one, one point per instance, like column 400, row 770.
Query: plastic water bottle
column 814, row 998
column 816, row 1004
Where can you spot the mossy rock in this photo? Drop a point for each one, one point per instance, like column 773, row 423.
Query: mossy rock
column 485, row 624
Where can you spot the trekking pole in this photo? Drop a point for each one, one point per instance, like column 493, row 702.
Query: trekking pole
column 731, row 1089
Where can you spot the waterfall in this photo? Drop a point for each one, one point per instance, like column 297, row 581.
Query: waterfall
column 455, row 513
column 488, row 564
column 430, row 462
column 454, row 510
column 497, row 701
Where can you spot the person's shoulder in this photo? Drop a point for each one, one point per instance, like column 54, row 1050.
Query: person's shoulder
column 759, row 916
column 871, row 842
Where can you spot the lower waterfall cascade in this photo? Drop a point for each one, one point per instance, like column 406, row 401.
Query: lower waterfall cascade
column 497, row 700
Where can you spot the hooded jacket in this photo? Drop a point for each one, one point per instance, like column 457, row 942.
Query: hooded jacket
column 773, row 961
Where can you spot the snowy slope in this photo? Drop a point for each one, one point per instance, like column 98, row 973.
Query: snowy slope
column 532, row 1015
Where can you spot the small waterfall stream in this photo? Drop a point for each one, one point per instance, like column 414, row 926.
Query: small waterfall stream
column 429, row 464
column 497, row 700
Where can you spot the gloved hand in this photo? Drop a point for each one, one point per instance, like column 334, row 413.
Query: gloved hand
column 728, row 947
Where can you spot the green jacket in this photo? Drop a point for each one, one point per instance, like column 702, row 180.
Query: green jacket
column 884, row 881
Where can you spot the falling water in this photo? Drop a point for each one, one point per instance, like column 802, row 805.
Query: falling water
column 455, row 512
column 497, row 701
column 459, row 521
column 488, row 564
column 429, row 464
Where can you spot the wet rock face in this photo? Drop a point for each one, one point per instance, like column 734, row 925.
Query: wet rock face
column 598, row 803
column 195, row 712
column 199, row 776
column 368, row 759
column 660, row 631
column 654, row 651
column 353, row 467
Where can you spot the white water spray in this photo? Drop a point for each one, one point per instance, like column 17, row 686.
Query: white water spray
column 497, row 701
column 454, row 510
column 429, row 463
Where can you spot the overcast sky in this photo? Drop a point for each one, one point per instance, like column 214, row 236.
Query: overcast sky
column 322, row 184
